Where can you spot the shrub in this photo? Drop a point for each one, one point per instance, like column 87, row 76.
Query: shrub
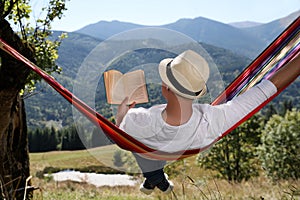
column 280, row 149
column 235, row 156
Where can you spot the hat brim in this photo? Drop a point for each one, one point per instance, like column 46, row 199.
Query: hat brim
column 163, row 75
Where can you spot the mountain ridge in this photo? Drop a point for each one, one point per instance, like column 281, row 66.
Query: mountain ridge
column 245, row 24
column 248, row 41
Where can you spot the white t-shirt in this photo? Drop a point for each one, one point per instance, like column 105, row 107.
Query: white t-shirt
column 206, row 124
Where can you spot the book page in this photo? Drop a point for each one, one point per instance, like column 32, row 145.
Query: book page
column 115, row 92
column 118, row 90
column 131, row 85
column 135, row 87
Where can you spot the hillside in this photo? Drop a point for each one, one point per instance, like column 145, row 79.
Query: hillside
column 268, row 32
column 245, row 24
column 104, row 29
column 46, row 107
column 219, row 34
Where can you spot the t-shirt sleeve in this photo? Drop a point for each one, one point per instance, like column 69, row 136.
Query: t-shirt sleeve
column 134, row 121
column 126, row 120
column 223, row 117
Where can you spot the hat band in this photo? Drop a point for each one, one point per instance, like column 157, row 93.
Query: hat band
column 176, row 84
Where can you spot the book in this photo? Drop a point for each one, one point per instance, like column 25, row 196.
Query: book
column 131, row 84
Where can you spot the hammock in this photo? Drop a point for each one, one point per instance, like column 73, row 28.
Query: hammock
column 282, row 50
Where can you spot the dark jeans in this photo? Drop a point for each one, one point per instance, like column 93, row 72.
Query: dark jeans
column 153, row 170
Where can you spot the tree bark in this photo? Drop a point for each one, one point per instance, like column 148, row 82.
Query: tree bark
column 14, row 155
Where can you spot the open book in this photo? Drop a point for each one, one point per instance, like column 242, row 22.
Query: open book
column 131, row 85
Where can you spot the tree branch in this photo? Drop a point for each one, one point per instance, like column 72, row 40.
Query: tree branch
column 23, row 32
column 5, row 13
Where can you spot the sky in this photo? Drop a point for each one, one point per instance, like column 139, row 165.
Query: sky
column 158, row 12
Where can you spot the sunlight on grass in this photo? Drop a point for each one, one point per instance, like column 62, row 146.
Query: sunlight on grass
column 72, row 159
column 191, row 182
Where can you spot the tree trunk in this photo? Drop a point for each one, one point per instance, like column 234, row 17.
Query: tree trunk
column 14, row 156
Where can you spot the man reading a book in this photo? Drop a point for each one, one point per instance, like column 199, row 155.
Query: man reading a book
column 179, row 124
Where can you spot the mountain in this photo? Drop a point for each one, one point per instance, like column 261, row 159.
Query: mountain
column 104, row 29
column 218, row 34
column 246, row 41
column 73, row 51
column 200, row 29
column 268, row 32
column 245, row 24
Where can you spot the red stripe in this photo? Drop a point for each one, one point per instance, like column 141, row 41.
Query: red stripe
column 222, row 98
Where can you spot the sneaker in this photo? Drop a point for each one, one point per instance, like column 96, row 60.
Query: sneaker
column 165, row 185
column 146, row 187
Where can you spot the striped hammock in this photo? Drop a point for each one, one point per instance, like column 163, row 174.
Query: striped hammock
column 281, row 51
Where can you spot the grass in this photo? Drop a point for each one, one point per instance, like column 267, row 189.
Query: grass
column 72, row 159
column 191, row 182
column 84, row 160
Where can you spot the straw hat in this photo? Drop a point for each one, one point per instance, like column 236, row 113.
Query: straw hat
column 186, row 74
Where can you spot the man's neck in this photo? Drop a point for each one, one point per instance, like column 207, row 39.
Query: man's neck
column 177, row 112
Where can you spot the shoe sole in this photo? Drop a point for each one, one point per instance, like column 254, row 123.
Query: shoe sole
column 146, row 191
column 170, row 188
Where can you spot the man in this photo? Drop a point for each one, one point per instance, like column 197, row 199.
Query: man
column 180, row 124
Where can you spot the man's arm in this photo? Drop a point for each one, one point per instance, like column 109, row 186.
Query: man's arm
column 122, row 111
column 233, row 111
column 287, row 73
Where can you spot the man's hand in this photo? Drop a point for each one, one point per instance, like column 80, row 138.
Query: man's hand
column 122, row 110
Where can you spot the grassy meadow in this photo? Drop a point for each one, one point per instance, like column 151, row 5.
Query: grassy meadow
column 191, row 182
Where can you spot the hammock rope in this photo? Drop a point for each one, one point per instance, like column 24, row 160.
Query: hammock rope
column 281, row 51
